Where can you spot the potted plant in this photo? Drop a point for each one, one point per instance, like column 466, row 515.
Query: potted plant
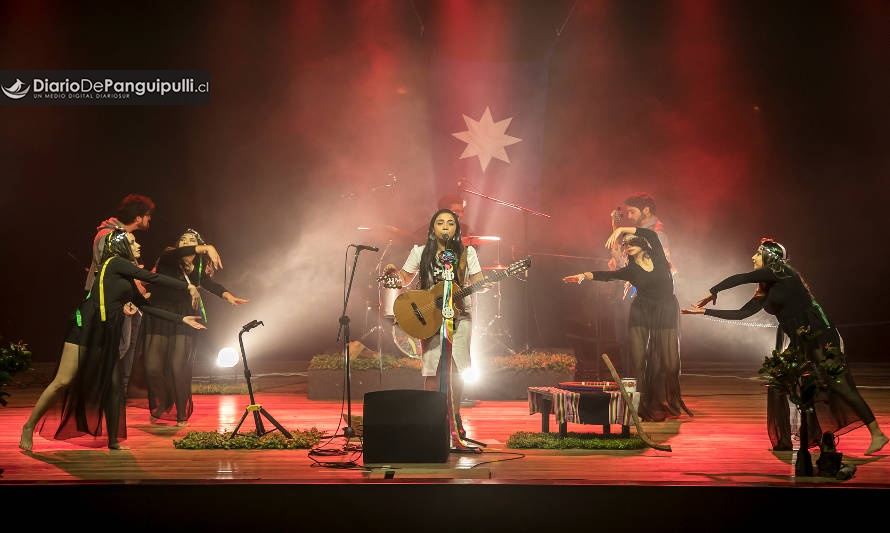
column 327, row 375
column 14, row 357
column 791, row 372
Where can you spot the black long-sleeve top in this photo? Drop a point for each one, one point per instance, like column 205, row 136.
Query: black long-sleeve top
column 169, row 264
column 784, row 295
column 114, row 287
column 658, row 284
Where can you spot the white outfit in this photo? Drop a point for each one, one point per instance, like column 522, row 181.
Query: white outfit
column 460, row 348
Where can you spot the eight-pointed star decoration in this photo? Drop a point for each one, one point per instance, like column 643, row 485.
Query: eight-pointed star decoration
column 486, row 138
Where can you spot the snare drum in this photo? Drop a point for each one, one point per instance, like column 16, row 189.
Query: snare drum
column 387, row 300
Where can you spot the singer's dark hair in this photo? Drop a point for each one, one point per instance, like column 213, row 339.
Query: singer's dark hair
column 428, row 258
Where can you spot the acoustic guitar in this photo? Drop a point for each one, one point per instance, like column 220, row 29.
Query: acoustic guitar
column 419, row 312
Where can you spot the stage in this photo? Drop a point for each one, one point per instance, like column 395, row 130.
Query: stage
column 720, row 474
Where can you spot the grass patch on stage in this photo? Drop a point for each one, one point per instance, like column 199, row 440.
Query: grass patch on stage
column 572, row 440
column 273, row 440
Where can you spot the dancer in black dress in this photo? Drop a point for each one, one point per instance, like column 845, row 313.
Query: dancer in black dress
column 88, row 375
column 169, row 349
column 781, row 291
column 653, row 332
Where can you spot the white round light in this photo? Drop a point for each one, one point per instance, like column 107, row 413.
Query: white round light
column 227, row 357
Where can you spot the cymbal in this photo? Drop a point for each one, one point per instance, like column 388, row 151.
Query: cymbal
column 386, row 232
column 495, row 267
column 475, row 240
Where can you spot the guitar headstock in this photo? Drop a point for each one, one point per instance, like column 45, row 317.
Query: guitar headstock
column 519, row 266
column 390, row 282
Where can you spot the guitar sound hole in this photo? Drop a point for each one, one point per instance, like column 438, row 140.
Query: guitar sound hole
column 417, row 313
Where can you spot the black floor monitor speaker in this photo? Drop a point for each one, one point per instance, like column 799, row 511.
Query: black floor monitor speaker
column 405, row 426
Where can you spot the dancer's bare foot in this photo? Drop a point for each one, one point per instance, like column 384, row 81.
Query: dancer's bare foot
column 182, row 423
column 877, row 442
column 117, row 446
column 27, row 440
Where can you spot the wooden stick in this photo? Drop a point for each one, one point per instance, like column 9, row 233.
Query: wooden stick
column 628, row 400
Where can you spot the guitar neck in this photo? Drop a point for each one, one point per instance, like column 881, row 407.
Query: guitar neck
column 470, row 289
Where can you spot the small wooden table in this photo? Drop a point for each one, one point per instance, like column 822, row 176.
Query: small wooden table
column 594, row 407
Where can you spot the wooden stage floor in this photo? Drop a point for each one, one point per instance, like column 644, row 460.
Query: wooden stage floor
column 721, row 468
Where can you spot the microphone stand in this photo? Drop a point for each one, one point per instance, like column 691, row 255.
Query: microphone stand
column 348, row 431
column 525, row 211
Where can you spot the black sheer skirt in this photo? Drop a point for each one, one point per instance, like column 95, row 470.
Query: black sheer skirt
column 91, row 410
column 165, row 365
column 654, row 351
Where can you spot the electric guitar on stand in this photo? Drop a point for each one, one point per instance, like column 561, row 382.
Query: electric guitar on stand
column 419, row 312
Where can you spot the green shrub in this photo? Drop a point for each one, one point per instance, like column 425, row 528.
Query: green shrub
column 533, row 361
column 338, row 362
column 572, row 440
column 274, row 440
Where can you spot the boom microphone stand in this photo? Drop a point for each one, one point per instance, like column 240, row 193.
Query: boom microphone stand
column 525, row 212
column 257, row 410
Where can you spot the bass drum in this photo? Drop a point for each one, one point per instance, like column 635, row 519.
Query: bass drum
column 407, row 344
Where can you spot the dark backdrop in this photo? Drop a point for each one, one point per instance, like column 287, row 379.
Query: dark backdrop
column 743, row 118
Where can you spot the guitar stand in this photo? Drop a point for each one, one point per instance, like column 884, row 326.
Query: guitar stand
column 468, row 439
column 254, row 408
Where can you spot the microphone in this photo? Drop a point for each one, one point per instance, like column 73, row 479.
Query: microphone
column 360, row 247
column 445, row 235
column 252, row 324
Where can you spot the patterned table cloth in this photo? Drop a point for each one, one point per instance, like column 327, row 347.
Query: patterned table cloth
column 594, row 407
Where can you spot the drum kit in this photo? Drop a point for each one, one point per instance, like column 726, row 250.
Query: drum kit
column 388, row 291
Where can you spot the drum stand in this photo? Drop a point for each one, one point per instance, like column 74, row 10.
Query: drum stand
column 374, row 282
column 495, row 329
